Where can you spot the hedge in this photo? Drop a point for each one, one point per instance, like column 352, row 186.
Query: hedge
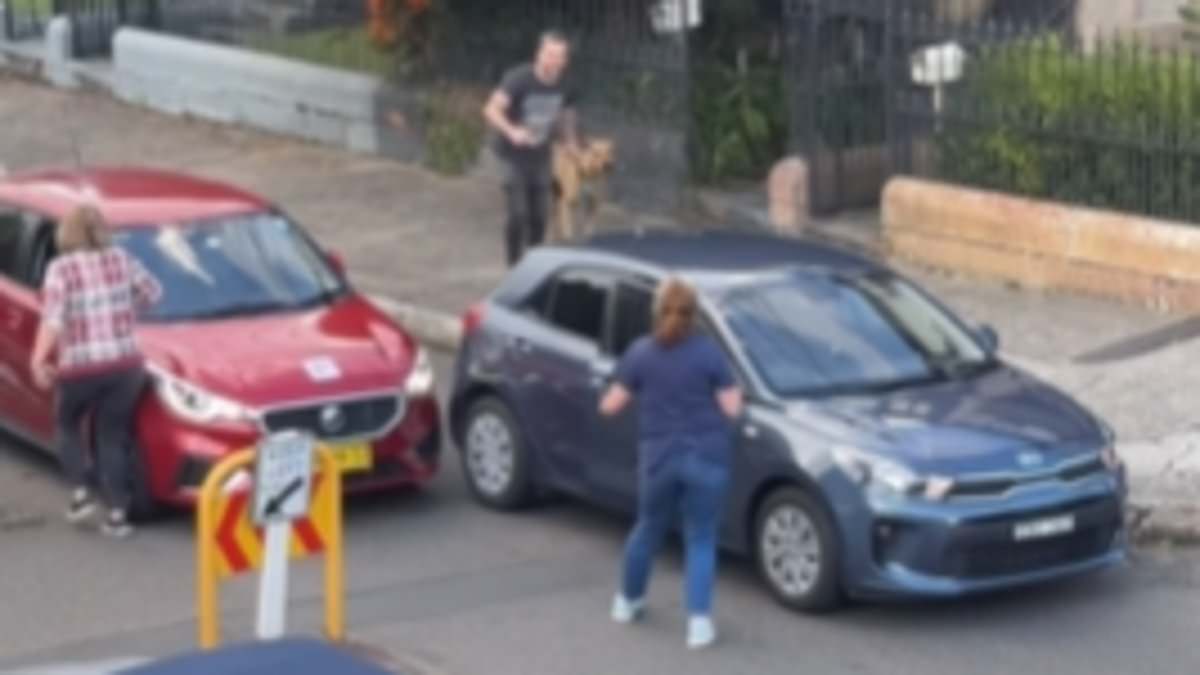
column 1114, row 128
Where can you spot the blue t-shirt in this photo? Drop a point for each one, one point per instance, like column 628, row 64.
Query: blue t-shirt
column 675, row 390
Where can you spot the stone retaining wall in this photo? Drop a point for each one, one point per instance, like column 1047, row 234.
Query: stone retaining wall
column 1044, row 245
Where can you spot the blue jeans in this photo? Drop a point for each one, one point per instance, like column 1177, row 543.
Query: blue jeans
column 693, row 485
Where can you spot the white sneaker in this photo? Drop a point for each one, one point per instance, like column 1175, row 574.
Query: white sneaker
column 627, row 611
column 701, row 632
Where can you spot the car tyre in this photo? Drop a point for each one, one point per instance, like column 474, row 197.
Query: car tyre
column 797, row 551
column 496, row 458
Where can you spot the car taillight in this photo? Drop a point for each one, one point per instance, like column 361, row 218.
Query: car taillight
column 472, row 319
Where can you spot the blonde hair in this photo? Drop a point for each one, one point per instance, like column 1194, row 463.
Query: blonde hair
column 675, row 307
column 83, row 229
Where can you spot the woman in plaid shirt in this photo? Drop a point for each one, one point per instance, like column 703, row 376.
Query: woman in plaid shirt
column 91, row 297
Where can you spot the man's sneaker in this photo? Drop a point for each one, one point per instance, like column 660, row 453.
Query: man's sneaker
column 627, row 611
column 81, row 508
column 116, row 526
column 701, row 632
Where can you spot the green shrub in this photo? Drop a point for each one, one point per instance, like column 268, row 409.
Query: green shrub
column 739, row 122
column 1116, row 128
column 454, row 130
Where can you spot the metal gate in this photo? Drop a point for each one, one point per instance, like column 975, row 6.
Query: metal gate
column 860, row 110
column 95, row 22
column 840, row 98
column 20, row 20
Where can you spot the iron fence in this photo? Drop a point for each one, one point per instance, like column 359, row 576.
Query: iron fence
column 94, row 22
column 26, row 19
column 1002, row 95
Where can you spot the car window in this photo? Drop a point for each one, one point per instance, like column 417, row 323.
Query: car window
column 240, row 265
column 16, row 251
column 632, row 315
column 810, row 334
column 12, row 228
column 578, row 304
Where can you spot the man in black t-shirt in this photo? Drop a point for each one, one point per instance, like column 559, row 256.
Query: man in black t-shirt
column 531, row 104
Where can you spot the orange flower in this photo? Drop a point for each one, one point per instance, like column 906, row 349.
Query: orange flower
column 382, row 26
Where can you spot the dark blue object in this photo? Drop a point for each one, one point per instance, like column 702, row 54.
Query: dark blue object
column 887, row 448
column 294, row 657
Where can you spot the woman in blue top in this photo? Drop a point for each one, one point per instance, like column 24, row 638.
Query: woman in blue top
column 687, row 400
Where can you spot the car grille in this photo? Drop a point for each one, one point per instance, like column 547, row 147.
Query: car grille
column 984, row 547
column 1003, row 559
column 338, row 419
column 990, row 487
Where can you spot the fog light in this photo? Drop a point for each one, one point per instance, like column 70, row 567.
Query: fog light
column 1112, row 461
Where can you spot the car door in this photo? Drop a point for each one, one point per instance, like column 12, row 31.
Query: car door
column 27, row 410
column 560, row 398
column 613, row 475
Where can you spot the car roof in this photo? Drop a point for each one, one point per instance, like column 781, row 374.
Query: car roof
column 127, row 197
column 723, row 253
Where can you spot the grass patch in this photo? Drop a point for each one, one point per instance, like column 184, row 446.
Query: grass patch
column 344, row 48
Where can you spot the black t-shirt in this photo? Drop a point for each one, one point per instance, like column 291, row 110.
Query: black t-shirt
column 535, row 105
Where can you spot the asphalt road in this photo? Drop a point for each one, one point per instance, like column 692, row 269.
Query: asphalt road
column 451, row 588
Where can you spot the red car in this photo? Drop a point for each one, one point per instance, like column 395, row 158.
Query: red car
column 258, row 330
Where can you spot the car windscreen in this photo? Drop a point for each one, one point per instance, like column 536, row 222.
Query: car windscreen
column 233, row 266
column 810, row 334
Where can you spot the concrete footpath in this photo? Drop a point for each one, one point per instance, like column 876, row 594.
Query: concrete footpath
column 426, row 247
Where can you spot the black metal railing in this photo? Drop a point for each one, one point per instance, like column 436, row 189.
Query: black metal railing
column 26, row 19
column 999, row 95
column 95, row 22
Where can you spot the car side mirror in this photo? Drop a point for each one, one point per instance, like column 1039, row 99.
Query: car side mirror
column 337, row 262
column 988, row 338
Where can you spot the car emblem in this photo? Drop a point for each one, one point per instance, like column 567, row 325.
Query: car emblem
column 333, row 419
column 1028, row 460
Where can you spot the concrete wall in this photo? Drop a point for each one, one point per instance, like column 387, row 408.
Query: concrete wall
column 1046, row 245
column 214, row 82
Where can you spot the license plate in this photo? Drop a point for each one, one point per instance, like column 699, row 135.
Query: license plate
column 1044, row 528
column 353, row 457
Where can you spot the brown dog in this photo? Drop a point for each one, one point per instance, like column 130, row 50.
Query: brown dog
column 578, row 178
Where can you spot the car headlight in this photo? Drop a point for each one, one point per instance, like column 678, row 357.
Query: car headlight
column 866, row 469
column 194, row 404
column 1112, row 461
column 420, row 381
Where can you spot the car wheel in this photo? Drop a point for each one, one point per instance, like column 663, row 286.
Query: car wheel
column 143, row 506
column 496, row 459
column 797, row 551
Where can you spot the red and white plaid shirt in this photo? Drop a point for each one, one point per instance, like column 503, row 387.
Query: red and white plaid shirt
column 92, row 299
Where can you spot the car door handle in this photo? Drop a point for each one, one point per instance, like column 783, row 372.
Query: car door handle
column 521, row 345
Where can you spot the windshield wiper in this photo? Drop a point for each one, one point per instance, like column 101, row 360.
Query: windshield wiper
column 956, row 367
column 244, row 309
column 874, row 386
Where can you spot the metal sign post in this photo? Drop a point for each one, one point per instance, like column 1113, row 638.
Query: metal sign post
column 282, row 492
column 246, row 521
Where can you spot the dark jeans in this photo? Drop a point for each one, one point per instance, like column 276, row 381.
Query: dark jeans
column 691, row 484
column 111, row 400
column 527, row 190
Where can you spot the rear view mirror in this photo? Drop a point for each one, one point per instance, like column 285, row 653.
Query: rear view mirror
column 988, row 338
column 337, row 262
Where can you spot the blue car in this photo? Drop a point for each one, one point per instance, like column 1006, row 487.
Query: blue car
column 886, row 451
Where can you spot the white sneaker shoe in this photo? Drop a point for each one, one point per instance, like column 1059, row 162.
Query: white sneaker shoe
column 701, row 632
column 627, row 611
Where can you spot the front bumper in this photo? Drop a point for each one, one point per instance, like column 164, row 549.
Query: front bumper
column 897, row 547
column 179, row 456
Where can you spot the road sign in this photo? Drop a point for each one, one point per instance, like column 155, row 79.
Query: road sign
column 282, row 477
column 239, row 540
column 230, row 542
